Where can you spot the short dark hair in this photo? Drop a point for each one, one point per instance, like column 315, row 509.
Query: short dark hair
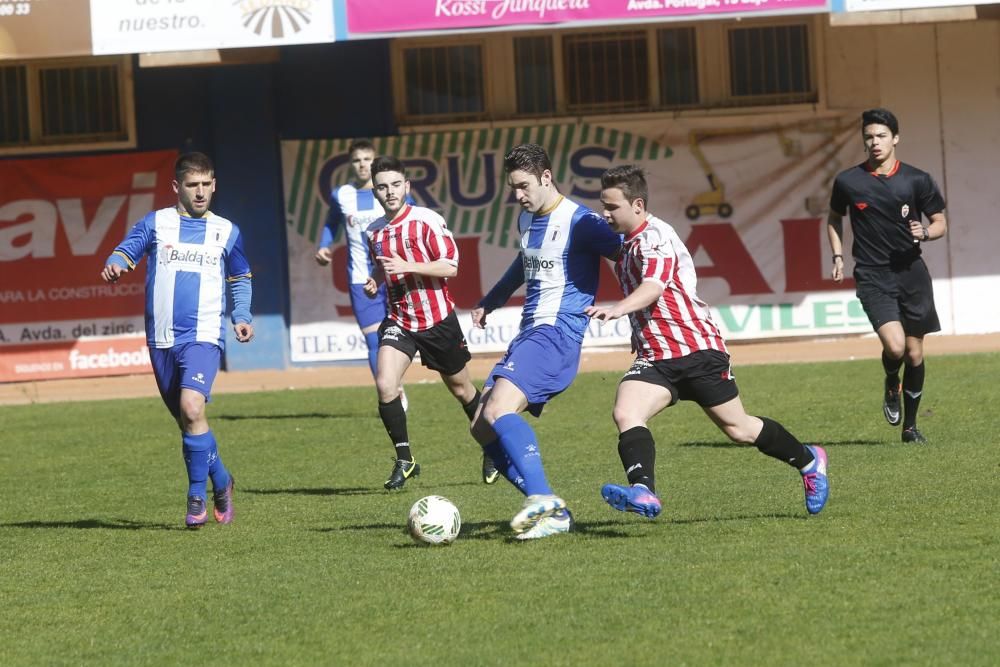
column 387, row 163
column 360, row 145
column 195, row 162
column 880, row 117
column 531, row 158
column 630, row 179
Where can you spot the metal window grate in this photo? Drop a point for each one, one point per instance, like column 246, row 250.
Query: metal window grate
column 536, row 86
column 81, row 101
column 678, row 54
column 772, row 63
column 444, row 80
column 14, row 128
column 606, row 71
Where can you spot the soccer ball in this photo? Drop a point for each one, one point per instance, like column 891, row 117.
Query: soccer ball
column 434, row 520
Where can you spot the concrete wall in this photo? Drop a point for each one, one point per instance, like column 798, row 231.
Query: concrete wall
column 238, row 115
column 943, row 82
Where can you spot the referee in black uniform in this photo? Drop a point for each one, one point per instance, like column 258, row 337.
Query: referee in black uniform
column 887, row 201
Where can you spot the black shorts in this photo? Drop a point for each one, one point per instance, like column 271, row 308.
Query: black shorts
column 902, row 294
column 705, row 377
column 442, row 347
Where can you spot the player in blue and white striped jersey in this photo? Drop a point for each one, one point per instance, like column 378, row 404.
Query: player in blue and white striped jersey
column 192, row 255
column 353, row 206
column 559, row 261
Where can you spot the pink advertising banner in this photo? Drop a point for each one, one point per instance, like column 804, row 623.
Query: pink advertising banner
column 366, row 17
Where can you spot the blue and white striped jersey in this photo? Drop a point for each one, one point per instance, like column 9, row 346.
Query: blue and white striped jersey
column 356, row 210
column 560, row 257
column 190, row 261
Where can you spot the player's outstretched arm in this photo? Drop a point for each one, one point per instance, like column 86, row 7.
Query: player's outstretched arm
column 112, row 272
column 130, row 251
column 646, row 294
column 512, row 278
column 479, row 317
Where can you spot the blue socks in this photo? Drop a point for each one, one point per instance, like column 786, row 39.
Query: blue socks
column 216, row 470
column 201, row 457
column 505, row 465
column 520, row 444
column 371, row 340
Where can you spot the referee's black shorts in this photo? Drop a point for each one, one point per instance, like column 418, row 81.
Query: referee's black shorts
column 900, row 294
column 442, row 347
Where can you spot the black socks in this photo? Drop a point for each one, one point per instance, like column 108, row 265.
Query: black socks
column 913, row 387
column 778, row 443
column 394, row 419
column 638, row 454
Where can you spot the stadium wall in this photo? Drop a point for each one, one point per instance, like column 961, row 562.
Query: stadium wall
column 940, row 78
column 238, row 115
column 942, row 81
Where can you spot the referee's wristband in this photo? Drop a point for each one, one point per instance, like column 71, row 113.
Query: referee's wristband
column 836, row 257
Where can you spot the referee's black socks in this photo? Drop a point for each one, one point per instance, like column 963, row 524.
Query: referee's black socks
column 891, row 366
column 778, row 443
column 913, row 387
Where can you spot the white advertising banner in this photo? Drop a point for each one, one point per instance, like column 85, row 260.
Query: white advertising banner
column 885, row 5
column 146, row 26
column 748, row 197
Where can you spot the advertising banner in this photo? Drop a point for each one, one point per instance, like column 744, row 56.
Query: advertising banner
column 146, row 26
column 59, row 220
column 44, row 28
column 365, row 17
column 748, row 198
column 884, row 5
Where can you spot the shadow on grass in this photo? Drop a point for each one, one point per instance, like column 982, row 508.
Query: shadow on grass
column 89, row 524
column 486, row 530
column 444, row 485
column 302, row 415
column 392, row 527
column 717, row 444
column 795, row 516
column 317, row 491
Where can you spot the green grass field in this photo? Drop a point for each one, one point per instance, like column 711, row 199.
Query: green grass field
column 901, row 568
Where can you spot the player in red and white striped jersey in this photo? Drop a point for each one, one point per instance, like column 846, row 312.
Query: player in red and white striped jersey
column 680, row 354
column 677, row 323
column 415, row 235
column 414, row 255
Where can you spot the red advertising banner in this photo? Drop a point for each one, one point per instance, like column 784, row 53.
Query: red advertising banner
column 59, row 219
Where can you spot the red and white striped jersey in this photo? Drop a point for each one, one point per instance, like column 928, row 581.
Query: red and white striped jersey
column 417, row 234
column 678, row 323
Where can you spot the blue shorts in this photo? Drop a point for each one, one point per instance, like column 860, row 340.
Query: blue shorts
column 368, row 310
column 541, row 362
column 185, row 366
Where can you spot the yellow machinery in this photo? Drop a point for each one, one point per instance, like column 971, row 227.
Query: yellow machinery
column 713, row 201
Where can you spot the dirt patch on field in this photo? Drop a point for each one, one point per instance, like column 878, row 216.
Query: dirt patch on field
column 132, row 386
